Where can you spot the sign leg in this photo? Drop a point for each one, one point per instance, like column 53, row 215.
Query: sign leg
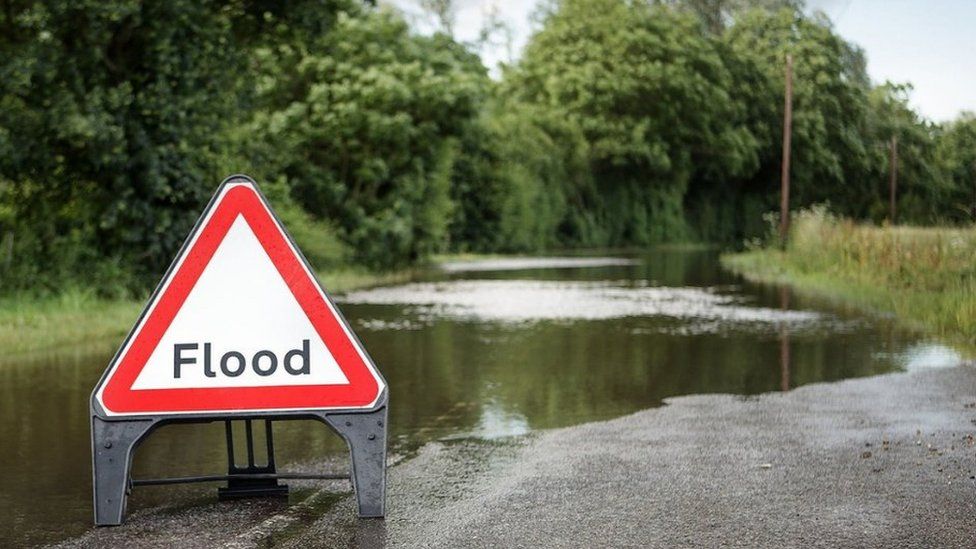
column 365, row 433
column 112, row 446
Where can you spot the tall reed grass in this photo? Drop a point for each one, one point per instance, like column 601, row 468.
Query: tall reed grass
column 926, row 276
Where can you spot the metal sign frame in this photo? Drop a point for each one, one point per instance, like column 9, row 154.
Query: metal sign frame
column 115, row 438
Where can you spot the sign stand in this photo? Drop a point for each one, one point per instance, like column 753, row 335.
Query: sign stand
column 114, row 443
column 252, row 480
column 325, row 373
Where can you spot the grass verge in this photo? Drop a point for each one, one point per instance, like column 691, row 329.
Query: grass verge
column 74, row 317
column 925, row 276
column 29, row 324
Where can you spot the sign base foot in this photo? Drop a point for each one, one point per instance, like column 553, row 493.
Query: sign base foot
column 112, row 446
column 115, row 440
column 365, row 433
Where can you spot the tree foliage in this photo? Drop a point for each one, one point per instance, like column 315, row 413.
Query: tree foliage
column 829, row 104
column 650, row 94
column 626, row 122
column 956, row 157
column 371, row 117
column 110, row 117
column 113, row 118
column 922, row 191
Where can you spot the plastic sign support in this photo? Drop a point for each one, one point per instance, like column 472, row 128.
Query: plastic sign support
column 238, row 329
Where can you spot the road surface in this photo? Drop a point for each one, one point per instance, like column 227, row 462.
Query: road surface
column 886, row 461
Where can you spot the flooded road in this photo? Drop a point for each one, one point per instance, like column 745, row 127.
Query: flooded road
column 497, row 348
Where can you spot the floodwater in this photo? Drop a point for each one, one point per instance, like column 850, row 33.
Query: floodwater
column 492, row 349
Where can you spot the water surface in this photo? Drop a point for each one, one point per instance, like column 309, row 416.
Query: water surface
column 497, row 348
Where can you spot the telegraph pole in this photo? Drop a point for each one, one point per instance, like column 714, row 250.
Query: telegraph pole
column 893, row 179
column 784, row 205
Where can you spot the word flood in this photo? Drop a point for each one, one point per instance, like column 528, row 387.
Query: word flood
column 233, row 363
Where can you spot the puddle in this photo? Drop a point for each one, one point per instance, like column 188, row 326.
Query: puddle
column 527, row 263
column 532, row 300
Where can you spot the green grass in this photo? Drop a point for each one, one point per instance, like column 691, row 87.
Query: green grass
column 353, row 278
column 50, row 323
column 30, row 324
column 925, row 276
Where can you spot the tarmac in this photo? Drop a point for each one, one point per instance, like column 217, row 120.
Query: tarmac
column 887, row 461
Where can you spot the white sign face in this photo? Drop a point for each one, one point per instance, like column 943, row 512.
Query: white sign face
column 269, row 321
column 239, row 324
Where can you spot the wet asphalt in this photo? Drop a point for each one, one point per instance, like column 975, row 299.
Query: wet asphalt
column 887, row 461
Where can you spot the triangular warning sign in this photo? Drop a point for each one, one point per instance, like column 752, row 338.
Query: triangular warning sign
column 239, row 324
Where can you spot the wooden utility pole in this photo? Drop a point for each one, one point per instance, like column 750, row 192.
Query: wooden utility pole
column 784, row 205
column 893, row 180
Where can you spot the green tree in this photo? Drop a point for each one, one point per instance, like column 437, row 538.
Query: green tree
column 110, row 119
column 716, row 15
column 522, row 182
column 831, row 160
column 364, row 123
column 650, row 94
column 923, row 191
column 114, row 120
column 956, row 156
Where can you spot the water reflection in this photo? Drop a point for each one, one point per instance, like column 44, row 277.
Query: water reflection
column 536, row 300
column 784, row 343
column 486, row 353
column 523, row 263
column 924, row 356
column 496, row 421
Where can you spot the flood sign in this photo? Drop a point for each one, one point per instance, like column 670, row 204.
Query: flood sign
column 238, row 329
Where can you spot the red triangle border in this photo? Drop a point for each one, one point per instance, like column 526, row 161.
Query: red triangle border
column 365, row 384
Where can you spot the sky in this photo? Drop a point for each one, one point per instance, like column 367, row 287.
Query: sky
column 928, row 43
